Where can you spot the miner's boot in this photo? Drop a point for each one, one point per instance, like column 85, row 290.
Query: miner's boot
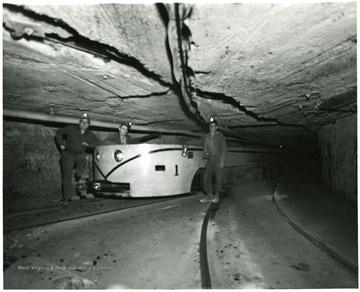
column 81, row 187
column 207, row 199
column 216, row 198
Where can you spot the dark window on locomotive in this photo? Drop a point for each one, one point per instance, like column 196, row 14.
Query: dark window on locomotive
column 159, row 167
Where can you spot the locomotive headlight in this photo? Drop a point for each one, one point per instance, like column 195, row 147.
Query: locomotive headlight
column 96, row 186
column 118, row 155
column 97, row 156
column 184, row 151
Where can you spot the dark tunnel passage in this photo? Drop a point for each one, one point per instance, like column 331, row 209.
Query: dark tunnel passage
column 130, row 95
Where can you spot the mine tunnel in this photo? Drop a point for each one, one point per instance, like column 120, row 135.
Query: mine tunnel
column 276, row 81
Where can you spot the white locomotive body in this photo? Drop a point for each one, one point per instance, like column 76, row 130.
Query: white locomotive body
column 153, row 170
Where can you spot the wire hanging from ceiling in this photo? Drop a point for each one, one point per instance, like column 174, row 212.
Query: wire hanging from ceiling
column 179, row 39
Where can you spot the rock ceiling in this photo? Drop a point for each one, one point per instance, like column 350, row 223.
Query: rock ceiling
column 269, row 73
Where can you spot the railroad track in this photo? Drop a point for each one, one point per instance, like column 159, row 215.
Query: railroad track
column 312, row 239
column 58, row 213
column 75, row 210
column 204, row 264
column 55, row 214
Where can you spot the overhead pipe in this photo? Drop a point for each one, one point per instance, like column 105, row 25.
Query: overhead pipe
column 27, row 115
column 21, row 114
column 149, row 137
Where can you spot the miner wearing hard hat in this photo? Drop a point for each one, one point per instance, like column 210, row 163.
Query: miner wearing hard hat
column 121, row 137
column 124, row 138
column 78, row 138
column 215, row 151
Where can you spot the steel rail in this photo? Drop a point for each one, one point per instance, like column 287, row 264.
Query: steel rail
column 204, row 266
column 54, row 221
column 51, row 207
column 313, row 240
column 42, row 117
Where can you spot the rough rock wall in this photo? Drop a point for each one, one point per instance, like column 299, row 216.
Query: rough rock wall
column 338, row 146
column 31, row 165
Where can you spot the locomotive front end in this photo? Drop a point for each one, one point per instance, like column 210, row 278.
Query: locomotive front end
column 108, row 177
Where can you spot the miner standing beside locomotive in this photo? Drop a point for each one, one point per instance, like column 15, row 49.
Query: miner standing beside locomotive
column 215, row 151
column 78, row 139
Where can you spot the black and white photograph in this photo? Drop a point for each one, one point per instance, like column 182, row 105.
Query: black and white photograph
column 179, row 145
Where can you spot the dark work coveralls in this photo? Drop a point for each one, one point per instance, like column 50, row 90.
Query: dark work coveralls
column 215, row 149
column 74, row 154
